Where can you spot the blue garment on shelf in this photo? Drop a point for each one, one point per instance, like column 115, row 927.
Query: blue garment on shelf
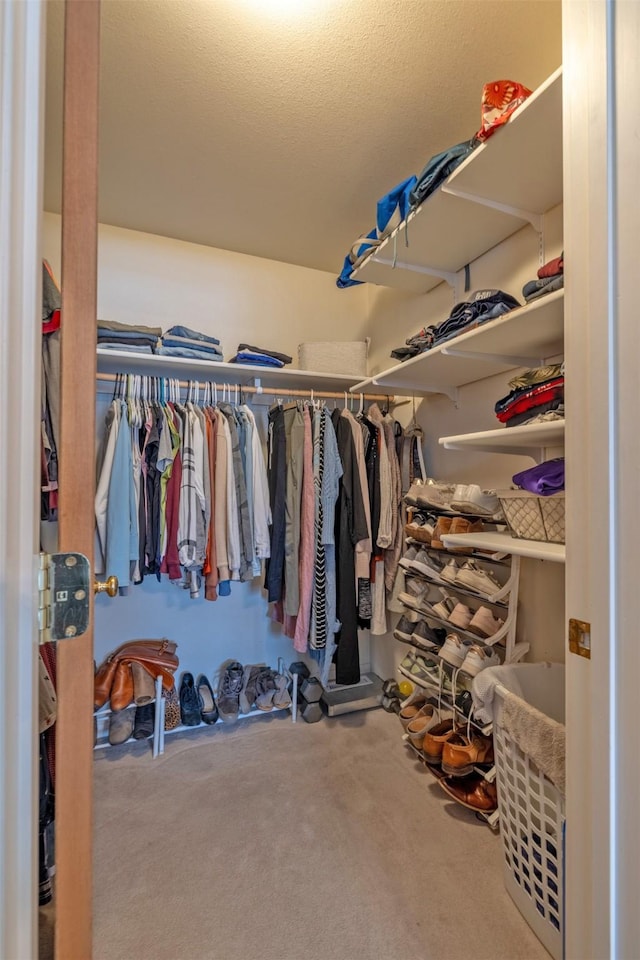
column 391, row 210
column 189, row 344
column 189, row 353
column 179, row 331
column 344, row 280
column 256, row 360
column 394, row 207
column 438, row 168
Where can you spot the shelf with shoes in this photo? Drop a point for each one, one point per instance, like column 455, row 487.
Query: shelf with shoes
column 511, row 179
column 103, row 716
column 444, row 698
column 524, row 337
column 468, row 776
column 504, row 600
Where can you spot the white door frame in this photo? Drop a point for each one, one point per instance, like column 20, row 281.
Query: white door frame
column 602, row 348
column 21, row 171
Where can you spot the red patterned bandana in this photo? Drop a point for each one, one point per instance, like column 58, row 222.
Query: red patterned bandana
column 499, row 100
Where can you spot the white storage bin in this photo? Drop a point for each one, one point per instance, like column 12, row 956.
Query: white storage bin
column 532, row 816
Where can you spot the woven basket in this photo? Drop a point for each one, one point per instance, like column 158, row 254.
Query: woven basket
column 335, row 357
column 531, row 517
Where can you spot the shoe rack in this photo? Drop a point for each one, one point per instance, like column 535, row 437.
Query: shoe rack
column 503, row 603
column 443, row 687
column 102, row 717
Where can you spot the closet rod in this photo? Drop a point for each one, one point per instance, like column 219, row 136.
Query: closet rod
column 273, row 391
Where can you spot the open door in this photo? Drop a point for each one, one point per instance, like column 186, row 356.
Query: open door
column 74, row 729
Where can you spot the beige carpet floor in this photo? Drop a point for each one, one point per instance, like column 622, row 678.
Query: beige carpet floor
column 269, row 841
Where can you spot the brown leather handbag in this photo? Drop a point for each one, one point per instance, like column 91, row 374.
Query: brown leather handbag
column 114, row 680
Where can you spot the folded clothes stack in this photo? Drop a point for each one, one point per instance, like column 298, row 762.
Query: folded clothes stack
column 179, row 341
column 259, row 357
column 483, row 306
column 536, row 396
column 544, row 479
column 127, row 337
column 550, row 278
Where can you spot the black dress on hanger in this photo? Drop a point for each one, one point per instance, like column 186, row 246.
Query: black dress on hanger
column 350, row 528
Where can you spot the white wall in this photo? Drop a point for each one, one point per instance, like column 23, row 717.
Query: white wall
column 157, row 281
column 393, row 318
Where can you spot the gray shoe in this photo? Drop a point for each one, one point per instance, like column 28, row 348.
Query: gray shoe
column 121, row 725
column 229, row 692
column 248, row 692
column 281, row 696
column 265, row 689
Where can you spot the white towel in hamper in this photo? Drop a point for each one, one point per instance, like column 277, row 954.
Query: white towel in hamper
column 483, row 687
column 537, row 735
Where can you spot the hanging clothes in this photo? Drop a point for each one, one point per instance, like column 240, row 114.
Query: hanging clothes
column 182, row 491
column 351, row 527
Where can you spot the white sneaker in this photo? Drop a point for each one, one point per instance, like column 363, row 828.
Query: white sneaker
column 461, row 616
column 484, row 624
column 470, row 498
column 445, row 608
column 454, row 650
column 450, row 572
column 472, row 576
column 413, row 593
column 479, row 658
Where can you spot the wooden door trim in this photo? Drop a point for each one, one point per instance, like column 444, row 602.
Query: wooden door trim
column 74, row 737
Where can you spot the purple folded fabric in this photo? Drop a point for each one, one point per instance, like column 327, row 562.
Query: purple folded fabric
column 544, row 479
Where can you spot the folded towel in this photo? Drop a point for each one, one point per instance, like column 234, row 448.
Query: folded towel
column 483, row 688
column 537, row 735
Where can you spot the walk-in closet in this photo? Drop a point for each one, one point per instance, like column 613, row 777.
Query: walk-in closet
column 334, row 657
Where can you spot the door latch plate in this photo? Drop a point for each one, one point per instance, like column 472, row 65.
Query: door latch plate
column 63, row 587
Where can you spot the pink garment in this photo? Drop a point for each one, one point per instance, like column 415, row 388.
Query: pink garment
column 278, row 615
column 307, row 541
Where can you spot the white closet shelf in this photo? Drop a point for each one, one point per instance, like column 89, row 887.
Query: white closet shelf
column 118, row 361
column 526, row 440
column 513, row 178
column 505, row 543
column 441, row 235
column 520, row 166
column 523, row 337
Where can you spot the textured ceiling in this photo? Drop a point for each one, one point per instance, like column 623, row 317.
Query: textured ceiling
column 271, row 127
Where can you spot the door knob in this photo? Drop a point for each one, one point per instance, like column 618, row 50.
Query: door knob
column 108, row 586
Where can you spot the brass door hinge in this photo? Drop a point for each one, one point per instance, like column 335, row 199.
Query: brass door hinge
column 63, row 596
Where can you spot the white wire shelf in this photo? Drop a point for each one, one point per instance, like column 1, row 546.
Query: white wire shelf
column 524, row 337
column 505, row 543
